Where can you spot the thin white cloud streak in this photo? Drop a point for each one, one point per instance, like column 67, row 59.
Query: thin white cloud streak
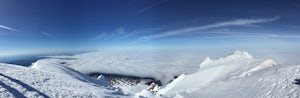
column 103, row 36
column 131, row 3
column 150, row 7
column 8, row 28
column 255, row 36
column 286, row 25
column 46, row 34
column 237, row 22
column 121, row 31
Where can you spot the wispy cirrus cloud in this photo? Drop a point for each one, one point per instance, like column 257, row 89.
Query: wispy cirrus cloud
column 150, row 7
column 103, row 36
column 236, row 22
column 46, row 34
column 119, row 33
column 8, row 28
column 256, row 36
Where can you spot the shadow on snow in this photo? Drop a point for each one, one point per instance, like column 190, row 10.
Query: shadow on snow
column 15, row 92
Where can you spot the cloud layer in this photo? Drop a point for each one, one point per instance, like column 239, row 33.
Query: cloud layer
column 236, row 22
column 46, row 34
column 8, row 28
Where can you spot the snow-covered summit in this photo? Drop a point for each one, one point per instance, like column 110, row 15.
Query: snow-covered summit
column 237, row 55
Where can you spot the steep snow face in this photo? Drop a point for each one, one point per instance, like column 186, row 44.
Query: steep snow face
column 263, row 65
column 211, row 71
column 158, row 65
column 50, row 81
column 214, row 71
column 238, row 56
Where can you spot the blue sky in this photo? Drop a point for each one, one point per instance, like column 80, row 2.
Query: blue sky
column 40, row 26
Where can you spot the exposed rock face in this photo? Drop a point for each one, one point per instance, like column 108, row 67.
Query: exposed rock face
column 115, row 79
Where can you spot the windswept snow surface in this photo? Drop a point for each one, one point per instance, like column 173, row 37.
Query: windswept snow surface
column 51, row 81
column 222, row 78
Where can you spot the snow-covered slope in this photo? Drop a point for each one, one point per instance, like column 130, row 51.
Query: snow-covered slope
column 273, row 82
column 51, row 81
column 60, row 68
column 225, row 78
column 212, row 70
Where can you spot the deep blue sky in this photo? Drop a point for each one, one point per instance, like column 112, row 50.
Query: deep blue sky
column 38, row 26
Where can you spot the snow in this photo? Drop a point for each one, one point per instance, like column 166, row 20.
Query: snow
column 61, row 69
column 212, row 70
column 18, row 81
column 238, row 75
column 274, row 82
column 221, row 79
column 265, row 64
column 144, row 94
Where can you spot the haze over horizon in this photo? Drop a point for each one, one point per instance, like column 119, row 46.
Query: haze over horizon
column 48, row 26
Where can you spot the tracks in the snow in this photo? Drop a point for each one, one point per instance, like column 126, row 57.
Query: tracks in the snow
column 13, row 84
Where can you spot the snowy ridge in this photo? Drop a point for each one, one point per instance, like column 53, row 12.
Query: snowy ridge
column 273, row 82
column 19, row 81
column 238, row 55
column 60, row 68
column 265, row 64
column 219, row 78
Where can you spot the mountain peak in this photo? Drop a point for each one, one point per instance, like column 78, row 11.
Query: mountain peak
column 242, row 54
